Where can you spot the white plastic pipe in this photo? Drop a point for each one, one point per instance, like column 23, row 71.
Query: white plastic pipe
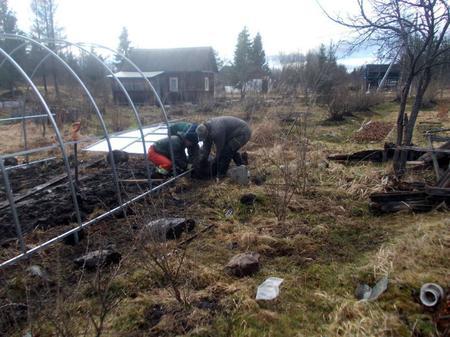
column 431, row 294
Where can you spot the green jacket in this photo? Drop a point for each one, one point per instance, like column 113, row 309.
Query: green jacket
column 180, row 127
column 162, row 146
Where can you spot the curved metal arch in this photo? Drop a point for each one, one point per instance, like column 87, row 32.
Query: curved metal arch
column 12, row 52
column 123, row 89
column 88, row 94
column 58, row 134
column 152, row 88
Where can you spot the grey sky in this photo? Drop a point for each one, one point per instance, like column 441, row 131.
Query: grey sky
column 285, row 25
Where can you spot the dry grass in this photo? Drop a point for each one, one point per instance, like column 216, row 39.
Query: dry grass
column 265, row 133
column 11, row 137
column 416, row 256
column 327, row 244
column 364, row 319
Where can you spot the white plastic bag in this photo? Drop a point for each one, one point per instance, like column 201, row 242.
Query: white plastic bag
column 269, row 289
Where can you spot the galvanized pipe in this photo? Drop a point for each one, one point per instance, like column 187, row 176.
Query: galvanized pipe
column 25, row 139
column 35, row 150
column 13, row 51
column 152, row 88
column 9, row 168
column 12, row 205
column 123, row 89
column 90, row 98
column 52, row 120
column 23, row 120
column 11, row 119
column 125, row 92
column 88, row 223
column 62, row 144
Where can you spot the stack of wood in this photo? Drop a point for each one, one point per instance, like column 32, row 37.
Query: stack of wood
column 420, row 200
column 417, row 197
column 420, row 197
column 375, row 156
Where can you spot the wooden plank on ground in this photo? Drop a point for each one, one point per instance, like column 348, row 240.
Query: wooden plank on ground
column 139, row 181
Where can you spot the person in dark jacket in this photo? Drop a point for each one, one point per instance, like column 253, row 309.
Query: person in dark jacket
column 228, row 134
column 159, row 152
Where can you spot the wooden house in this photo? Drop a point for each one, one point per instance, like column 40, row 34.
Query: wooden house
column 374, row 73
column 178, row 75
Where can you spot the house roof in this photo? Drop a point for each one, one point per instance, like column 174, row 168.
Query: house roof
column 135, row 74
column 174, row 59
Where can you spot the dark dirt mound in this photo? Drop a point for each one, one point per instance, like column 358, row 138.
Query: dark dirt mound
column 53, row 206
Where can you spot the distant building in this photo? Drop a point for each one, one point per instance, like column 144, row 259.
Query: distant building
column 374, row 73
column 178, row 75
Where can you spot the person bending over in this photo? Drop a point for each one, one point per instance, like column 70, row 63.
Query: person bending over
column 228, row 134
column 159, row 152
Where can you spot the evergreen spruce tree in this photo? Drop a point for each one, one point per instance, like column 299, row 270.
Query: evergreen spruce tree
column 258, row 58
column 8, row 24
column 242, row 65
column 124, row 48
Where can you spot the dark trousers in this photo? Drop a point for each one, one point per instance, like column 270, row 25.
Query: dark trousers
column 230, row 151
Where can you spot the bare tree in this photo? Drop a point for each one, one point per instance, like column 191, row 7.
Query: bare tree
column 415, row 29
column 44, row 27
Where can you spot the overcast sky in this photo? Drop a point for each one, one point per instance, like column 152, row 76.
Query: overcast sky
column 285, row 25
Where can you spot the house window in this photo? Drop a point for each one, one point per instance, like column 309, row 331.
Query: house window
column 173, row 84
column 206, row 83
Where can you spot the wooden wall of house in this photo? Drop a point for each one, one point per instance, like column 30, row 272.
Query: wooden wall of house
column 191, row 88
column 137, row 89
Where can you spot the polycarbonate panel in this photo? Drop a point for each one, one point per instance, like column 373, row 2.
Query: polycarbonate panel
column 117, row 143
column 154, row 137
column 131, row 141
column 137, row 148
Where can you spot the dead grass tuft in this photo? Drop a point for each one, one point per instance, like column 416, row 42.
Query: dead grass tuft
column 358, row 180
column 265, row 133
column 416, row 256
column 364, row 319
column 410, row 257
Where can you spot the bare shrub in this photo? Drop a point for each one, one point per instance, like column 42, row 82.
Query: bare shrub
column 120, row 120
column 59, row 306
column 205, row 107
column 288, row 166
column 106, row 299
column 251, row 104
column 443, row 112
column 344, row 102
column 266, row 132
column 164, row 259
